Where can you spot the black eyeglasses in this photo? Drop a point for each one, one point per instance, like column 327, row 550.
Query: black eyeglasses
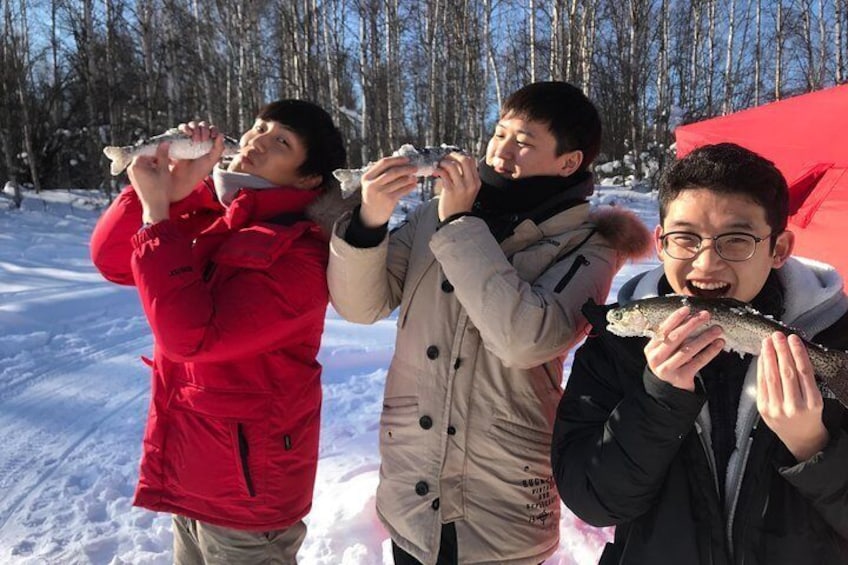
column 733, row 246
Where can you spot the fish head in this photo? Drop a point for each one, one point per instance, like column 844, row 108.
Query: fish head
column 629, row 321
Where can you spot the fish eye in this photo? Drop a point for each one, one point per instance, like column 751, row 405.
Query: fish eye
column 616, row 315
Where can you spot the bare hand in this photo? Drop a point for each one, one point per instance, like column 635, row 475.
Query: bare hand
column 186, row 174
column 152, row 181
column 383, row 185
column 788, row 399
column 460, row 184
column 674, row 356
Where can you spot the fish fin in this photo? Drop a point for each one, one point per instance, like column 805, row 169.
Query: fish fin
column 120, row 159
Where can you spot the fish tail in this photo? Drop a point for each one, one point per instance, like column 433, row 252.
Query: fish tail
column 349, row 180
column 120, row 159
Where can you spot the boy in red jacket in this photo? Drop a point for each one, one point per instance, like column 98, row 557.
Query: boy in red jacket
column 230, row 269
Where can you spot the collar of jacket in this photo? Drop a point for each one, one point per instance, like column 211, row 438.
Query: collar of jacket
column 528, row 231
column 250, row 206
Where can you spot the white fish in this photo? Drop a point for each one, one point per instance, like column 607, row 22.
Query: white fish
column 182, row 147
column 426, row 160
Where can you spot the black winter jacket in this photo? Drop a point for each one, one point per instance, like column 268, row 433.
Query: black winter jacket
column 627, row 451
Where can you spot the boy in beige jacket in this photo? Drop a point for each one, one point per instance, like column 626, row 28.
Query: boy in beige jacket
column 489, row 277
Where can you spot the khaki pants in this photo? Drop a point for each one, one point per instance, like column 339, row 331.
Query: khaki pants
column 199, row 543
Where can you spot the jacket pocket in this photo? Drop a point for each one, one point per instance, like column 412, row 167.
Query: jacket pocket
column 215, row 442
column 400, row 436
column 512, row 431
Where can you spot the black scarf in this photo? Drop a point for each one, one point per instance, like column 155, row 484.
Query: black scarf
column 504, row 203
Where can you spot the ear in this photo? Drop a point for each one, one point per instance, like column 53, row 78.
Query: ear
column 782, row 249
column 310, row 182
column 571, row 161
column 657, row 242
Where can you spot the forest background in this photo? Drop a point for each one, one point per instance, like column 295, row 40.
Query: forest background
column 76, row 75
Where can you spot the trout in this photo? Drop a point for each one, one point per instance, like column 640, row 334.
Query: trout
column 182, row 147
column 743, row 326
column 426, row 160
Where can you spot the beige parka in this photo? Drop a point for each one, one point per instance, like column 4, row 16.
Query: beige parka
column 472, row 390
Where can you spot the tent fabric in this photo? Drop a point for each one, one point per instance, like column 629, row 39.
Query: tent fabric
column 806, row 137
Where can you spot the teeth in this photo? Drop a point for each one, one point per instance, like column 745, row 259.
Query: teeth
column 708, row 285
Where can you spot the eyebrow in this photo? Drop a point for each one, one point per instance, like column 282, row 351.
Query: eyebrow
column 738, row 225
column 521, row 131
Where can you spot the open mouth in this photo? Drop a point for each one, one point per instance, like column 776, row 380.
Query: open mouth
column 708, row 289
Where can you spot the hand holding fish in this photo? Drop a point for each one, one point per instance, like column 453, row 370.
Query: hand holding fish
column 677, row 351
column 383, row 185
column 460, row 182
column 788, row 398
column 188, row 172
column 158, row 181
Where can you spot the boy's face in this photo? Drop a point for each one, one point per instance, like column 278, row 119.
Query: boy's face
column 522, row 148
column 708, row 214
column 274, row 152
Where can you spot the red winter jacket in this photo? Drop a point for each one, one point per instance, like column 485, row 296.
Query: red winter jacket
column 237, row 306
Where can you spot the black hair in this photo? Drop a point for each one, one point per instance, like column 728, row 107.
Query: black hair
column 728, row 168
column 325, row 149
column 570, row 115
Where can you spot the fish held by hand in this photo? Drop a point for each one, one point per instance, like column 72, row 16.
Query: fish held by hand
column 743, row 326
column 182, row 148
column 426, row 161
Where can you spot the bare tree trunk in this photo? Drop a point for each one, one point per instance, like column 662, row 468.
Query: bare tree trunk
column 571, row 50
column 695, row 69
column 532, row 40
column 331, row 51
column 840, row 61
column 433, row 76
column 711, row 38
column 822, row 70
column 201, row 57
column 727, row 107
column 554, row 65
column 778, row 55
column 490, row 53
column 21, row 54
column 587, row 43
column 365, row 81
column 662, row 110
column 758, row 53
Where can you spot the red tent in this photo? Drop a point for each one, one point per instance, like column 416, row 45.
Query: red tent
column 807, row 138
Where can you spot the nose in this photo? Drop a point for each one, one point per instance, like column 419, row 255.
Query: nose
column 707, row 258
column 503, row 148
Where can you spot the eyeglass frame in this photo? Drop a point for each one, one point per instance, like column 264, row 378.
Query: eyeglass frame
column 757, row 241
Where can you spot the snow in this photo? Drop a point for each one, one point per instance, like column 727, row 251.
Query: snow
column 74, row 394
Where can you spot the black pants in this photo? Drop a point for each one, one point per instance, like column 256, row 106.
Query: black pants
column 448, row 552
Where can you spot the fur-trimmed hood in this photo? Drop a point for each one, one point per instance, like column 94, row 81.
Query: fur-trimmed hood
column 624, row 231
column 328, row 207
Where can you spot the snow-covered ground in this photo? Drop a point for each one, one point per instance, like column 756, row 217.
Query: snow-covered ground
column 74, row 393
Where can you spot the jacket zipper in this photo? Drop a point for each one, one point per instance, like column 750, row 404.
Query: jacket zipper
column 243, row 452
column 579, row 262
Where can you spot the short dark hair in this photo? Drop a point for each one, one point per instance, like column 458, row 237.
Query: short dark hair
column 570, row 115
column 325, row 149
column 729, row 168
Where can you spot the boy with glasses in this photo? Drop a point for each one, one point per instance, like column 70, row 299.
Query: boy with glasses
column 697, row 455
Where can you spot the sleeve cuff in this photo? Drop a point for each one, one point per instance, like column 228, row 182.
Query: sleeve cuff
column 358, row 235
column 453, row 217
column 669, row 396
column 166, row 229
